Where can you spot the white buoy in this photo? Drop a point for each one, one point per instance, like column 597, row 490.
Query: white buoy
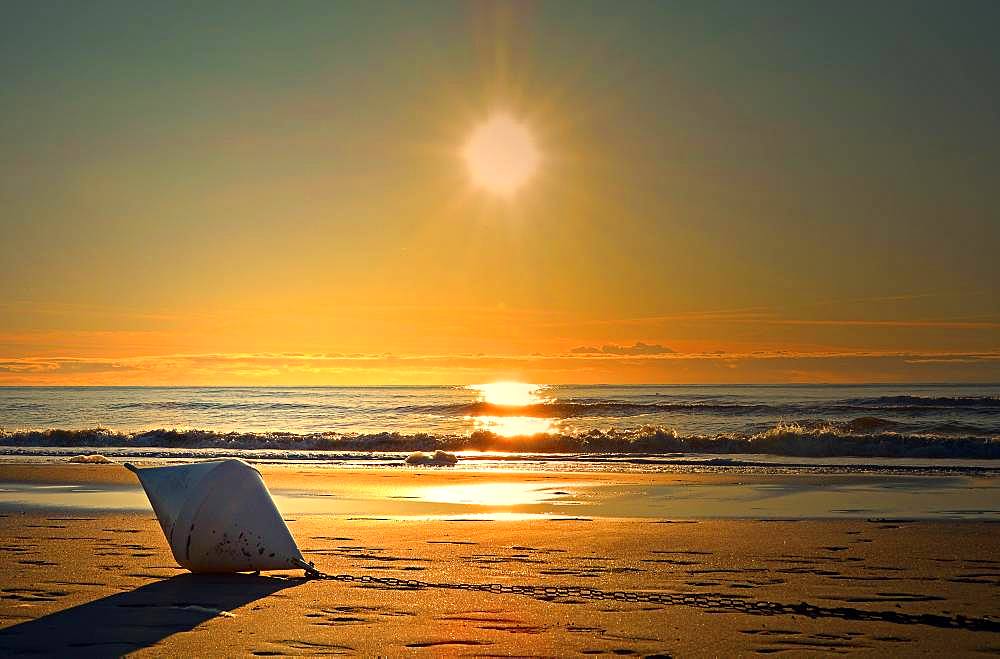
column 219, row 517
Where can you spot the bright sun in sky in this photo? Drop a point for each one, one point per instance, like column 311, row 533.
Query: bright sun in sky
column 501, row 155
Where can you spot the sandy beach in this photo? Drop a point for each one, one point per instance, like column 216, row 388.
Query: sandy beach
column 102, row 581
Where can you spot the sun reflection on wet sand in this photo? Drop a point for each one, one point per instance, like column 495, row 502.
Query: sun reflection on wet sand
column 502, row 494
column 439, row 495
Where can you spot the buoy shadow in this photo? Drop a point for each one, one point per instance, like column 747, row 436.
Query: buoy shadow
column 129, row 621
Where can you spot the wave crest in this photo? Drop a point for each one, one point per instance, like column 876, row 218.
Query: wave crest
column 863, row 437
column 928, row 401
column 565, row 409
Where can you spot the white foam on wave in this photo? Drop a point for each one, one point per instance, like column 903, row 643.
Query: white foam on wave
column 864, row 437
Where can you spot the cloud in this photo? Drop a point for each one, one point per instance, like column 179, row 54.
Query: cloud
column 953, row 359
column 639, row 348
column 638, row 363
column 765, row 316
column 939, row 324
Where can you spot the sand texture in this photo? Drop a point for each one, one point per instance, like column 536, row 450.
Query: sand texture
column 106, row 584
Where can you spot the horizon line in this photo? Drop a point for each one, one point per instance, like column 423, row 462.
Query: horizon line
column 942, row 383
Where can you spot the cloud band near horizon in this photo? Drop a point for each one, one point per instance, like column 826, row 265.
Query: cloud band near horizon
column 572, row 367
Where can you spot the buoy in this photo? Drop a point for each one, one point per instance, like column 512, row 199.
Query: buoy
column 219, row 517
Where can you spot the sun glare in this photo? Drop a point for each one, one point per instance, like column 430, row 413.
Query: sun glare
column 501, row 155
column 514, row 426
column 509, row 393
column 498, row 494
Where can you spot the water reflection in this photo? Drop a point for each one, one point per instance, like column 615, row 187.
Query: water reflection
column 16, row 496
column 695, row 496
column 496, row 494
column 513, row 426
column 514, row 395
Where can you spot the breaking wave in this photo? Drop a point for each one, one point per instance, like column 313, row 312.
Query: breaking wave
column 861, row 437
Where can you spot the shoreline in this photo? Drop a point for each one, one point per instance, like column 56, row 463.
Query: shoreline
column 431, row 493
column 559, row 462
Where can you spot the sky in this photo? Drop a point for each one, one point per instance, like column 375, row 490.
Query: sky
column 276, row 193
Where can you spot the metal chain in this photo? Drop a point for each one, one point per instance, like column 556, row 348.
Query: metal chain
column 713, row 601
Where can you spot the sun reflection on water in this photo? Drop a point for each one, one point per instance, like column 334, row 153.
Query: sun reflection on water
column 512, row 394
column 513, row 426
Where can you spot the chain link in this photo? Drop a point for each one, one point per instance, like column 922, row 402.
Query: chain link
column 713, row 601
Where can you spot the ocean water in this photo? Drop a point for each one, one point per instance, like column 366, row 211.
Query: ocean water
column 926, row 426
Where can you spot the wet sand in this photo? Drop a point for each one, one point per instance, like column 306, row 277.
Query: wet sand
column 103, row 582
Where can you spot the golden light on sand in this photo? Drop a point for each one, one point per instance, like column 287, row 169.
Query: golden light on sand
column 501, row 155
column 509, row 393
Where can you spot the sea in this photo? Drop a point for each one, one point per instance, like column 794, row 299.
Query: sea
column 926, row 428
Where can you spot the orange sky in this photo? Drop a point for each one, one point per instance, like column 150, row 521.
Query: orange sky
column 285, row 201
column 473, row 344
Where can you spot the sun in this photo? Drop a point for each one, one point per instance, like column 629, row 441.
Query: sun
column 501, row 155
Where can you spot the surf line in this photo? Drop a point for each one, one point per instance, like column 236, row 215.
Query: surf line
column 713, row 601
